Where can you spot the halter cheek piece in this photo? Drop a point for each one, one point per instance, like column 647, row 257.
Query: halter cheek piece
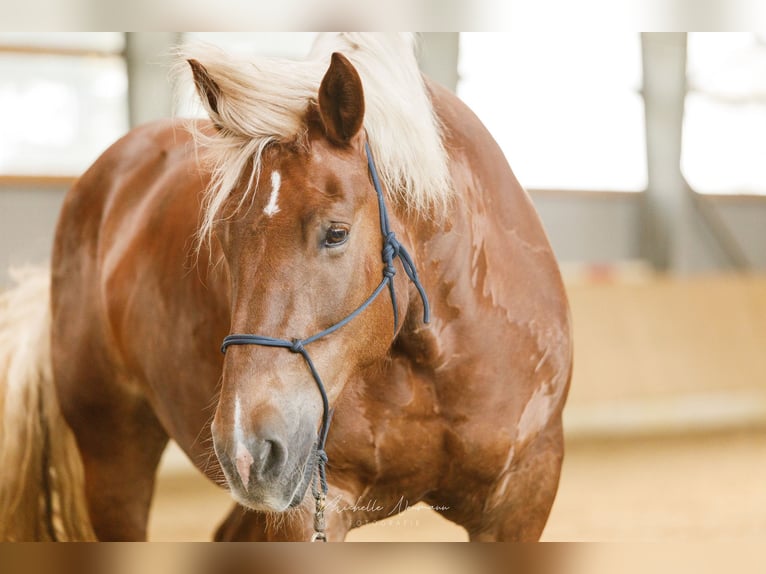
column 391, row 249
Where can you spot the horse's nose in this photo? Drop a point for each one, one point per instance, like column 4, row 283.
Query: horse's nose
column 265, row 460
column 260, row 459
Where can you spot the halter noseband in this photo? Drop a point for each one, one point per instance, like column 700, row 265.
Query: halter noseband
column 391, row 249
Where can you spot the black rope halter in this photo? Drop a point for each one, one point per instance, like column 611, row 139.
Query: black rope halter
column 391, row 250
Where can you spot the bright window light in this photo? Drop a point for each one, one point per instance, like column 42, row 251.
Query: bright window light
column 565, row 108
column 59, row 112
column 724, row 137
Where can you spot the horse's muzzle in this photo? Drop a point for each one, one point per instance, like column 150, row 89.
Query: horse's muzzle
column 268, row 473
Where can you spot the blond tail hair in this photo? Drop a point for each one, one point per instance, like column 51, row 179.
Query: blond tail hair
column 42, row 495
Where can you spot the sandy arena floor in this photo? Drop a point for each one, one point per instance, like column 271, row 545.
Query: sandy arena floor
column 684, row 488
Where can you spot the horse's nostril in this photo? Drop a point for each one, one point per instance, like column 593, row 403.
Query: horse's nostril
column 271, row 457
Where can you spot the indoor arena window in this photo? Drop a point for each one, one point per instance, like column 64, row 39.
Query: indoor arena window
column 566, row 109
column 724, row 133
column 63, row 100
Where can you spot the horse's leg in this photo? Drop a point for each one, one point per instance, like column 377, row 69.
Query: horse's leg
column 246, row 525
column 523, row 511
column 516, row 507
column 121, row 442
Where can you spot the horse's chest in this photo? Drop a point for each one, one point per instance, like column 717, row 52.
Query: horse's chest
column 389, row 433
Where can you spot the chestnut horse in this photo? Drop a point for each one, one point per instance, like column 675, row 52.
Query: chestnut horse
column 275, row 231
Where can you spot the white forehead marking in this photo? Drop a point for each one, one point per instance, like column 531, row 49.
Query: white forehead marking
column 272, row 207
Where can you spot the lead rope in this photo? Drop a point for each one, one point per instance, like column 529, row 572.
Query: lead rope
column 320, row 500
column 319, row 482
column 391, row 249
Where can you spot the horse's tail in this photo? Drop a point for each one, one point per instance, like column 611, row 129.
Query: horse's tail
column 42, row 494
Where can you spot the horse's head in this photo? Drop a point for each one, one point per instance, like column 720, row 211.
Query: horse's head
column 302, row 252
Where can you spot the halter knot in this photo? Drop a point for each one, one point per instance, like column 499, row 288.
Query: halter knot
column 297, row 346
column 389, row 270
column 321, row 456
column 391, row 246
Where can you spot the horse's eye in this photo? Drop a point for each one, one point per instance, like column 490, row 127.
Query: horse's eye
column 337, row 235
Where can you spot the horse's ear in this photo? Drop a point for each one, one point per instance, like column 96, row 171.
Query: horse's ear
column 208, row 90
column 341, row 100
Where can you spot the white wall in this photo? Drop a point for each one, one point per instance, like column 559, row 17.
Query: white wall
column 27, row 223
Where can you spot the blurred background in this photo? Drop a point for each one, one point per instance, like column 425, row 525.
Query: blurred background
column 645, row 157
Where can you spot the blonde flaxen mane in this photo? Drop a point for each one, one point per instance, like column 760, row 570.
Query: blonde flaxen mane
column 262, row 101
